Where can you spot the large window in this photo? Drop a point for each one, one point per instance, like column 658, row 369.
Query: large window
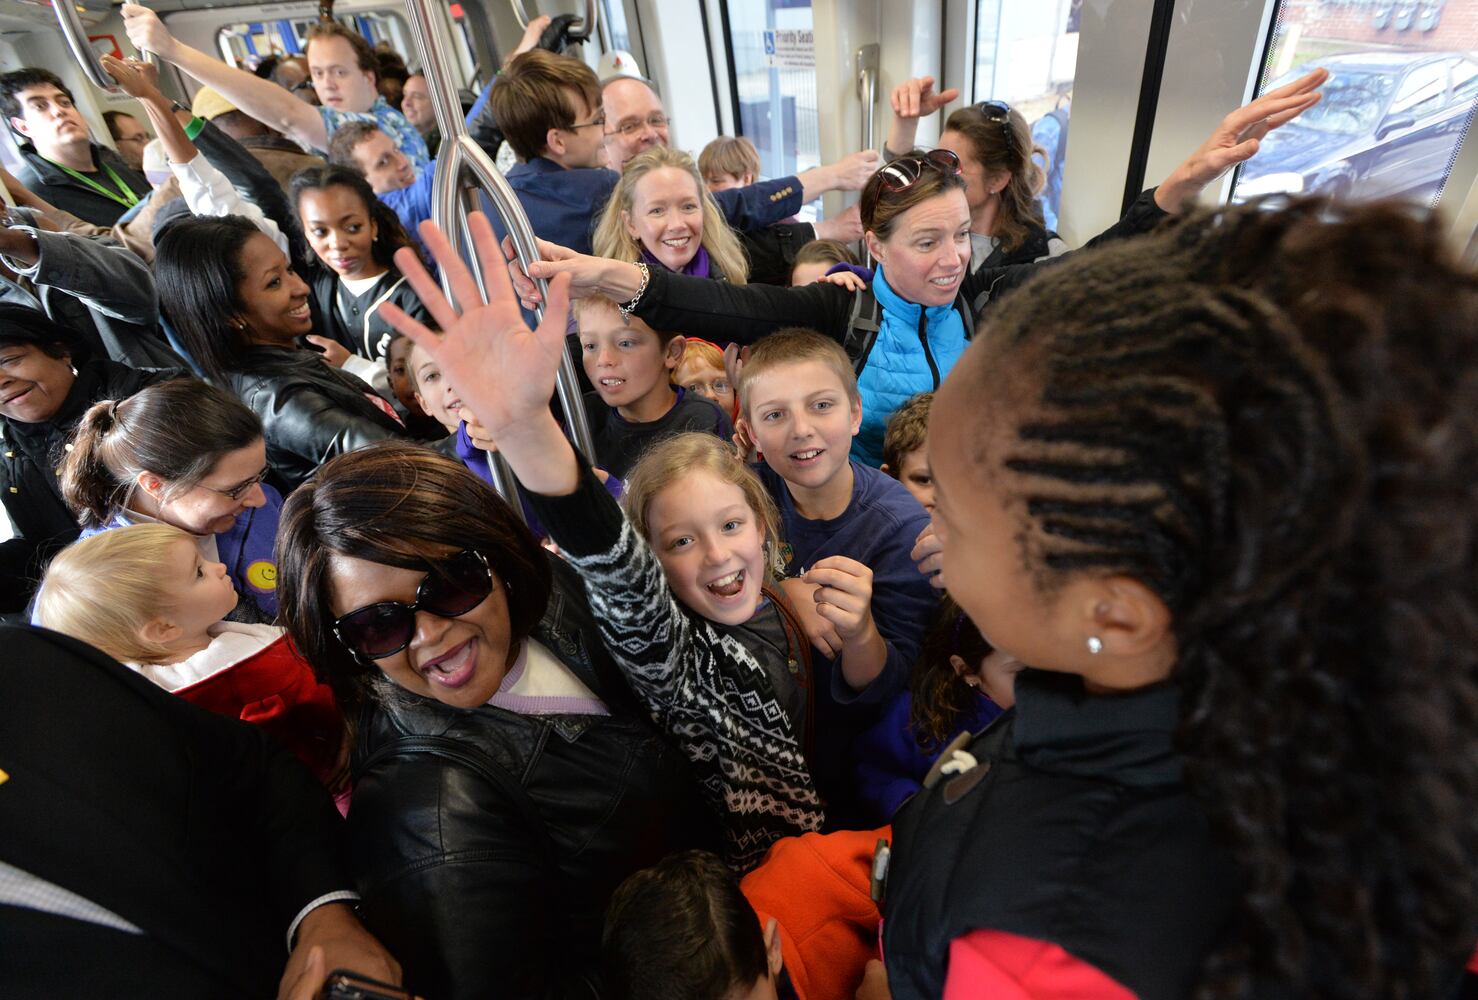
column 774, row 54
column 1026, row 52
column 1397, row 106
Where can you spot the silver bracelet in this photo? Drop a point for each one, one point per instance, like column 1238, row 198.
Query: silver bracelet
column 628, row 306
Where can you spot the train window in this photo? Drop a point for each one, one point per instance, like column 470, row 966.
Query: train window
column 774, row 64
column 1026, row 53
column 245, row 43
column 614, row 12
column 1397, row 107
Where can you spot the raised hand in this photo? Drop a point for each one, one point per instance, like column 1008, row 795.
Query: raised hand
column 134, row 77
column 843, row 594
column 844, row 227
column 146, row 32
column 504, row 372
column 853, row 171
column 916, row 98
column 1238, row 137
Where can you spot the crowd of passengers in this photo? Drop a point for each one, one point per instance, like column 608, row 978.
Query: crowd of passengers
column 989, row 620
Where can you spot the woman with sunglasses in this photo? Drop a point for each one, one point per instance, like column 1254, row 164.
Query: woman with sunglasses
column 906, row 331
column 505, row 781
column 189, row 455
column 999, row 166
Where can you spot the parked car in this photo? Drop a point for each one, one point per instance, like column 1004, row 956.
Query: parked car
column 1390, row 124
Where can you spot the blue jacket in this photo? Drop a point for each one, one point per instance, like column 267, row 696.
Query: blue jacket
column 564, row 206
column 915, row 348
column 246, row 549
column 890, row 764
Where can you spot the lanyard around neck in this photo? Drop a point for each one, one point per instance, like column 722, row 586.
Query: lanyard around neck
column 123, row 196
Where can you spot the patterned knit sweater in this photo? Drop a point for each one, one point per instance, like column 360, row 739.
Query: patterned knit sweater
column 704, row 690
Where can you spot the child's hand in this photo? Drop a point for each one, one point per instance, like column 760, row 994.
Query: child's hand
column 843, row 595
column 849, row 280
column 844, row 227
column 477, row 432
column 821, row 633
column 334, row 353
column 916, row 98
column 928, row 553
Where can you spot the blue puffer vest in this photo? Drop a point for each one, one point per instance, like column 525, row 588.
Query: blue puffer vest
column 916, row 347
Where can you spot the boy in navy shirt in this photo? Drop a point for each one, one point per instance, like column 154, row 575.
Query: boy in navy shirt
column 849, row 529
column 630, row 365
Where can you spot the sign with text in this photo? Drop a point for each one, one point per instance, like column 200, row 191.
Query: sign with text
column 790, row 49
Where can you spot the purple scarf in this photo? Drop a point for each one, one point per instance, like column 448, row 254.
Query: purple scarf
column 696, row 268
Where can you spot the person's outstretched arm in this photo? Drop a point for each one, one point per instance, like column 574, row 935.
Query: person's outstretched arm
column 261, row 99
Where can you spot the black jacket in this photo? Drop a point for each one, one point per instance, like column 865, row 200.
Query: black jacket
column 486, row 863
column 67, row 193
column 195, row 828
column 29, row 456
column 359, row 326
column 744, row 313
column 310, row 412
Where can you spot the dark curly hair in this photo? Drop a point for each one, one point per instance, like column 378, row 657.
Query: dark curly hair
column 1270, row 418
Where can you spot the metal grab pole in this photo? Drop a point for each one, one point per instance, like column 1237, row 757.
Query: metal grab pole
column 75, row 33
column 459, row 157
column 867, row 91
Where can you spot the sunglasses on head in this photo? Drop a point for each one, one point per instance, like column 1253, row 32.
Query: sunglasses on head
column 450, row 590
column 904, row 172
column 999, row 111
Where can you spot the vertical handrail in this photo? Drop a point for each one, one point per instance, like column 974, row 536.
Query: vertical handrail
column 867, row 92
column 462, row 158
column 76, row 36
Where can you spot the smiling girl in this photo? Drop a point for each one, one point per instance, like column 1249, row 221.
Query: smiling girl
column 662, row 214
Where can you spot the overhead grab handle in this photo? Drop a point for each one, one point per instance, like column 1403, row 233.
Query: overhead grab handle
column 589, row 25
column 75, row 32
column 459, row 161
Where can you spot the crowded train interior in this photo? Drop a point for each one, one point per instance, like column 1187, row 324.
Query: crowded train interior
column 728, row 499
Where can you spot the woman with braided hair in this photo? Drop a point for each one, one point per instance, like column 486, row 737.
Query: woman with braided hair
column 1215, row 486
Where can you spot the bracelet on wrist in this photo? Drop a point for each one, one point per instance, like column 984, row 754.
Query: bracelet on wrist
column 626, row 308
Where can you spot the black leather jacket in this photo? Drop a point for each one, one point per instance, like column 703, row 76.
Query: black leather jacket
column 486, row 844
column 310, row 412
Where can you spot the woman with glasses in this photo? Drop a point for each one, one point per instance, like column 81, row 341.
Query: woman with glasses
column 905, row 331
column 189, row 455
column 506, row 781
column 239, row 309
column 998, row 164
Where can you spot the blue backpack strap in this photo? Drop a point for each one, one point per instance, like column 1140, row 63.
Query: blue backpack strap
column 863, row 324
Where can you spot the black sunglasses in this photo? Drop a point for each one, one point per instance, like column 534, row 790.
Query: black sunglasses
column 904, row 172
column 450, row 590
column 999, row 111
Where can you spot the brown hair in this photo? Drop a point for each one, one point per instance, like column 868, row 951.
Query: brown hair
column 531, row 96
column 670, row 461
column 612, row 240
column 346, row 139
column 881, row 206
column 939, row 697
column 823, row 252
column 178, row 430
column 908, row 429
column 604, row 303
column 399, row 505
column 364, row 56
column 732, row 155
column 792, row 346
column 987, row 137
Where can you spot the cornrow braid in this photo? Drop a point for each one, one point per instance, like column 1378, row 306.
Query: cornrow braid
column 1268, row 418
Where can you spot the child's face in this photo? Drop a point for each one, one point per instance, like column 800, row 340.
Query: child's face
column 703, row 379
column 809, row 274
column 624, row 359
column 802, row 421
column 340, row 230
column 725, row 182
column 915, row 476
column 710, row 543
column 435, row 393
column 197, row 593
column 666, row 216
column 400, row 375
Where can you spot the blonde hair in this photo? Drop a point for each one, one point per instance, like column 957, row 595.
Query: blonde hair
column 732, row 155
column 674, row 459
column 105, row 588
column 792, row 346
column 612, row 240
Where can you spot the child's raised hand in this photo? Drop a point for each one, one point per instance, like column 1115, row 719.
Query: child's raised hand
column 843, row 595
column 928, row 553
column 503, row 371
column 849, row 280
column 916, row 98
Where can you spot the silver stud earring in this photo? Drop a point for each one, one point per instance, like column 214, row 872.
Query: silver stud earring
column 1095, row 645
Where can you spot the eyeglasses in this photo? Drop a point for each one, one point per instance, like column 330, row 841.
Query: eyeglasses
column 629, row 129
column 1000, row 111
column 904, row 172
column 237, row 492
column 450, row 590
column 597, row 120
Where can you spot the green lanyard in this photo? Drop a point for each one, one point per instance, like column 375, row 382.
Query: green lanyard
column 123, row 196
